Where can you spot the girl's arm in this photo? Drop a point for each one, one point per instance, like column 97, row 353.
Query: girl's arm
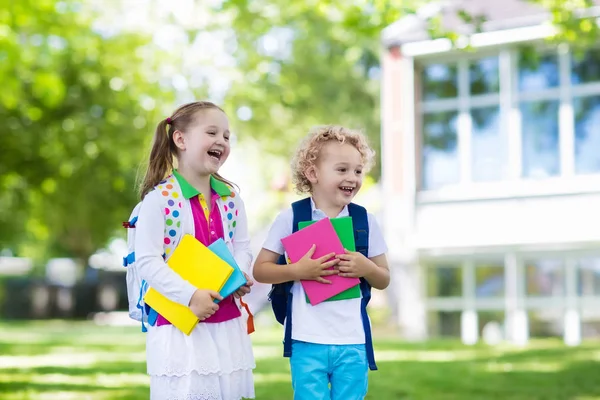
column 149, row 249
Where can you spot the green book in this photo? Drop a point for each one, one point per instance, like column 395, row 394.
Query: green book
column 345, row 231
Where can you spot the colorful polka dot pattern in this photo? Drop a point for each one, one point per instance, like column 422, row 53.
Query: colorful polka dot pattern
column 230, row 214
column 167, row 188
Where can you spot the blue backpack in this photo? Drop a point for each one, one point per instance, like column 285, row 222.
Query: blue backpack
column 281, row 293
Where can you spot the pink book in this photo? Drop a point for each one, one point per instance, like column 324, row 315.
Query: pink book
column 323, row 235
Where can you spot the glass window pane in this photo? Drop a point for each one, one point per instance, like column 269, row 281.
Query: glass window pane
column 587, row 134
column 587, row 68
column 440, row 81
column 489, row 280
column 590, row 328
column 588, row 277
column 489, row 145
column 544, row 278
column 484, row 76
column 444, row 281
column 440, row 153
column 541, row 157
column 444, row 323
column 546, row 323
column 537, row 73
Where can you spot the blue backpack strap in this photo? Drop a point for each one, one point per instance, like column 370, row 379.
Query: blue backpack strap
column 302, row 211
column 360, row 221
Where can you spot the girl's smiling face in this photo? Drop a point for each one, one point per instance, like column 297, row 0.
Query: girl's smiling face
column 204, row 146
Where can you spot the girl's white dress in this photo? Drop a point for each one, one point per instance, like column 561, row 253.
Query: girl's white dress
column 214, row 363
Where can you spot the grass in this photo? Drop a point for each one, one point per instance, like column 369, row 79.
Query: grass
column 78, row 360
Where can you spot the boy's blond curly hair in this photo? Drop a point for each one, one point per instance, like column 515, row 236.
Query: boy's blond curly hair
column 310, row 148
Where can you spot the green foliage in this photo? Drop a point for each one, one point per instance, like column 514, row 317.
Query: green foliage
column 308, row 63
column 573, row 22
column 73, row 128
column 78, row 104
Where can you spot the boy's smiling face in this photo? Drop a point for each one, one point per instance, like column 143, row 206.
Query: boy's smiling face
column 337, row 175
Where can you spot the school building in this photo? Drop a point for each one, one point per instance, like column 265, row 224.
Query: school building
column 491, row 175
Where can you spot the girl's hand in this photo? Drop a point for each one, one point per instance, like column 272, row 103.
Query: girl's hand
column 244, row 290
column 202, row 303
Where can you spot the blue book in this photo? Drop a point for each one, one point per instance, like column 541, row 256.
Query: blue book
column 237, row 278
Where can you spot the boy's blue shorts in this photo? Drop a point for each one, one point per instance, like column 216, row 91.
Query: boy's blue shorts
column 316, row 366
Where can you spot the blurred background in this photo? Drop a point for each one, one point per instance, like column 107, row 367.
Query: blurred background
column 485, row 115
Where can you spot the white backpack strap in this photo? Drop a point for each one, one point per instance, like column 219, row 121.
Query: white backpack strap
column 230, row 212
column 173, row 203
column 133, row 280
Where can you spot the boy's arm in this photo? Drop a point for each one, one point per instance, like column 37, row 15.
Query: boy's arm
column 379, row 275
column 374, row 268
column 266, row 269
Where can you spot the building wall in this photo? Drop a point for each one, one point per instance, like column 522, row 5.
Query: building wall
column 398, row 179
column 491, row 163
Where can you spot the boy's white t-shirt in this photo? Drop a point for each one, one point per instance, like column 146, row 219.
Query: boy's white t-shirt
column 329, row 322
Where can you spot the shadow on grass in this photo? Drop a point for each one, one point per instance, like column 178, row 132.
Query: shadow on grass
column 480, row 380
column 22, row 386
column 46, row 347
column 555, row 378
column 95, row 369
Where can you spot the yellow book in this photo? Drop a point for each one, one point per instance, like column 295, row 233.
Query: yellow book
column 198, row 265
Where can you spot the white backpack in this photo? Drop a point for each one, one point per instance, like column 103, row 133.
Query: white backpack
column 172, row 204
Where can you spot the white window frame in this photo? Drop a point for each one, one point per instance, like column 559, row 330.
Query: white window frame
column 515, row 294
column 508, row 100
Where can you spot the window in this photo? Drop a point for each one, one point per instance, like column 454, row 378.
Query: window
column 537, row 73
column 467, row 117
column 587, row 134
column 544, row 278
column 541, row 154
column 444, row 281
column 444, row 323
column 489, row 146
column 440, row 154
column 546, row 323
column 448, row 115
column 585, row 67
column 489, row 280
column 440, row 81
column 588, row 277
column 484, row 76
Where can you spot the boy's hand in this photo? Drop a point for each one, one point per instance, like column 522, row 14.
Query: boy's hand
column 354, row 265
column 314, row 270
column 244, row 290
column 202, row 303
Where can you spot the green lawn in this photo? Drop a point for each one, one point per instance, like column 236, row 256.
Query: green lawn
column 77, row 360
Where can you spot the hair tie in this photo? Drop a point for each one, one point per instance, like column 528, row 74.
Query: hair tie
column 169, row 120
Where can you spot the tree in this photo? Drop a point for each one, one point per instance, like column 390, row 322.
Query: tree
column 313, row 62
column 307, row 63
column 78, row 108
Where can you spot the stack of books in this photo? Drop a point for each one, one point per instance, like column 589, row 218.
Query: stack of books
column 211, row 267
column 329, row 236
